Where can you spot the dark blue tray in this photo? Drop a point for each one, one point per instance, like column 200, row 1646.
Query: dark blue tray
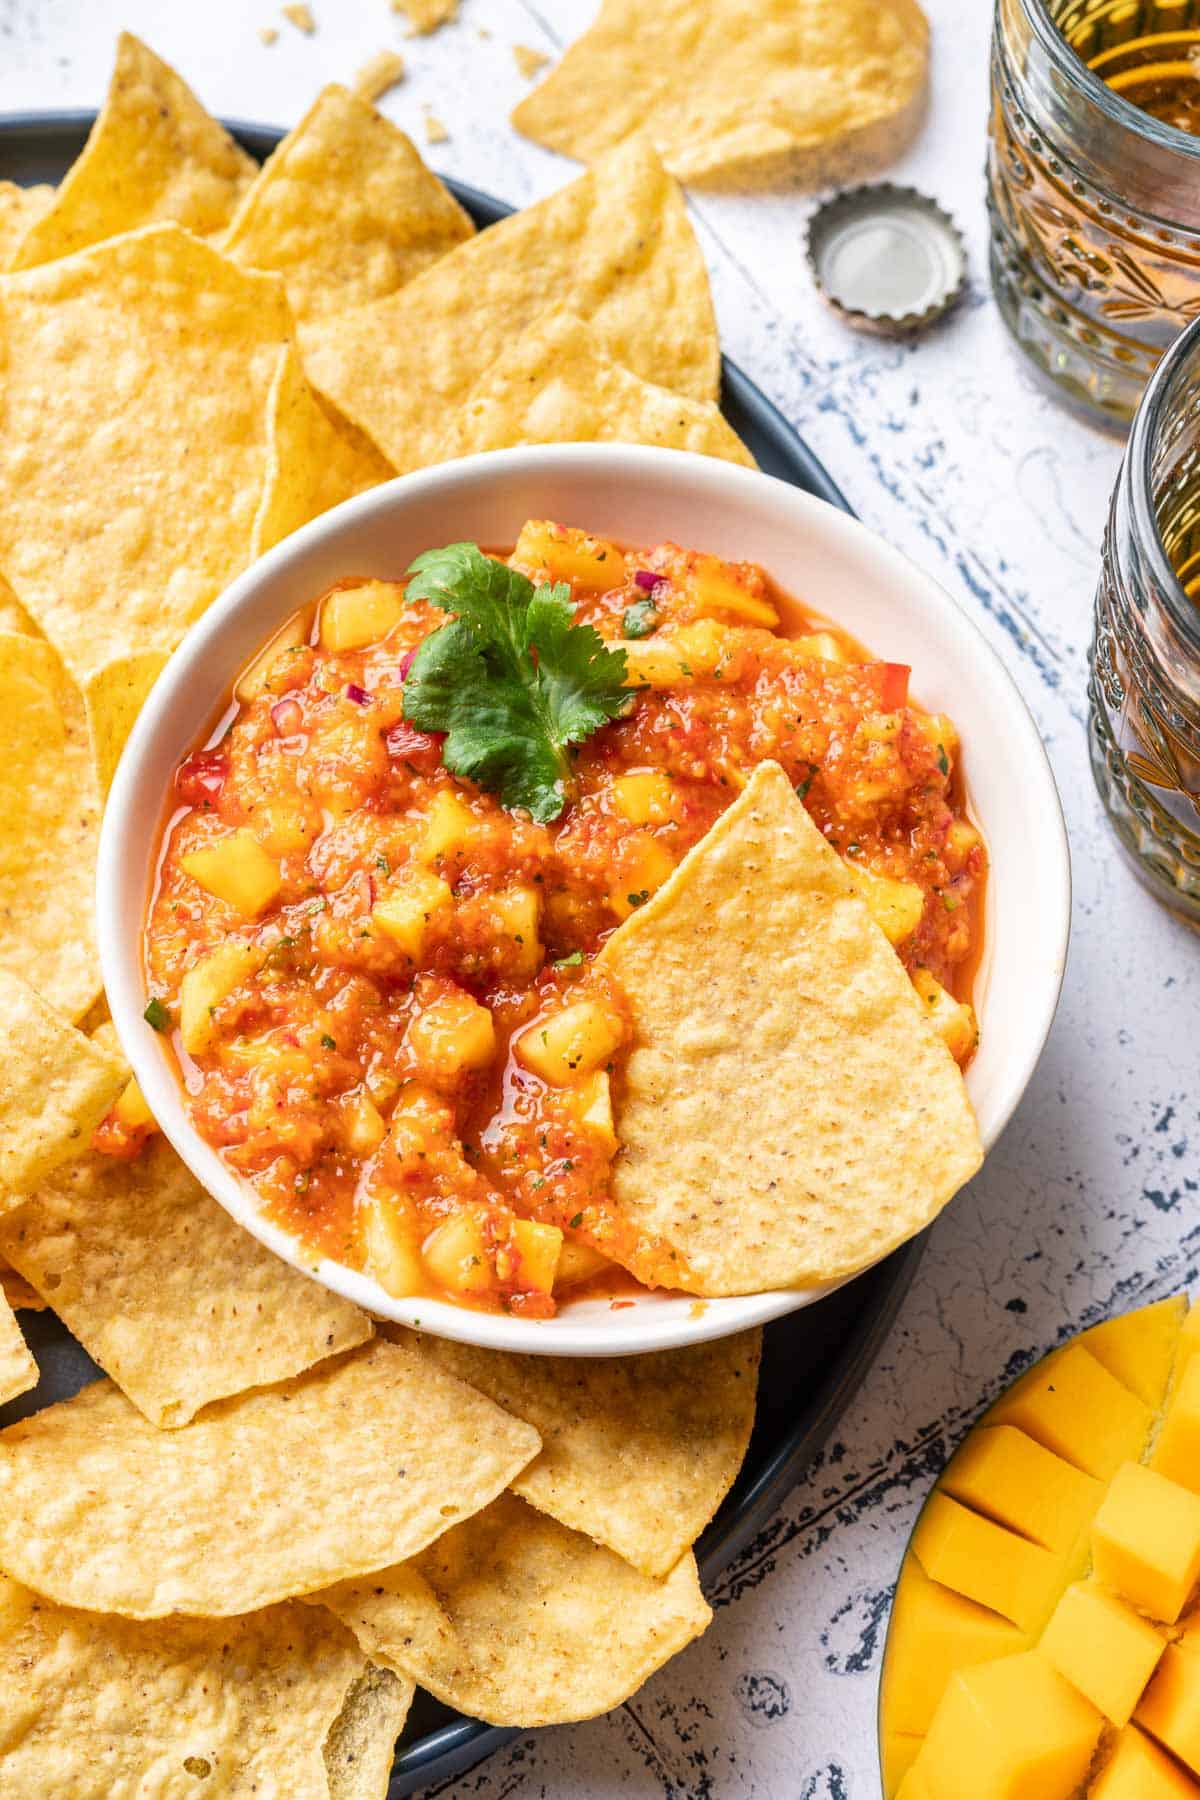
column 814, row 1360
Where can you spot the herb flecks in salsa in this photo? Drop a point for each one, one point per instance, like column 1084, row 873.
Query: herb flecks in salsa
column 377, row 915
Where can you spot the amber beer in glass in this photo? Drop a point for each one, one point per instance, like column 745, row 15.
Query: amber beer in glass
column 1094, row 188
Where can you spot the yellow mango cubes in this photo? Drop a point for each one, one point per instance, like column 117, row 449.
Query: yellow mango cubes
column 1045, row 1634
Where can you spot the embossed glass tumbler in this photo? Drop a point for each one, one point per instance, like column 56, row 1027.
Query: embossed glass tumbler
column 1094, row 188
column 1144, row 721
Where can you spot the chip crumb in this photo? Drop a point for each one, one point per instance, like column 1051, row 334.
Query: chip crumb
column 529, row 60
column 297, row 13
column 435, row 131
column 267, row 34
column 380, row 72
column 425, row 16
column 484, row 33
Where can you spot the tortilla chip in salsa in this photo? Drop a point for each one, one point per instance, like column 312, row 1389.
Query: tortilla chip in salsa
column 789, row 1113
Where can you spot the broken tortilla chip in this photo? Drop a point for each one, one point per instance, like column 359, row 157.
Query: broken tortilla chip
column 637, row 1451
column 616, row 247
column 134, row 437
column 837, row 91
column 154, row 154
column 172, row 1298
column 263, row 1497
column 113, row 698
column 555, row 386
column 514, row 1619
column 17, row 1291
column 101, row 1706
column 805, row 1117
column 345, row 210
column 425, row 16
column 20, row 208
column 361, row 1747
column 49, row 828
column 57, row 1087
column 18, row 1371
column 316, row 461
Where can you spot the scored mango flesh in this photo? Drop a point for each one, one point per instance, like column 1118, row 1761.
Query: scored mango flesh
column 1045, row 1634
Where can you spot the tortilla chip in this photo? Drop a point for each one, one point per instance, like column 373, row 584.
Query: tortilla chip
column 514, row 1619
column 345, row 210
column 172, row 1298
column 379, row 75
column 13, row 616
column 113, row 699
column 637, row 1451
column 98, row 1706
column 17, row 1291
column 554, row 386
column 789, row 91
column 789, row 1113
column 49, row 828
column 316, row 461
column 57, row 1087
column 360, row 1749
column 18, row 1371
column 616, row 246
column 263, row 1497
column 20, row 208
column 154, row 154
column 425, row 16
column 134, row 437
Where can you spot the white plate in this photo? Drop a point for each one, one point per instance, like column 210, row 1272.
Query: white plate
column 639, row 496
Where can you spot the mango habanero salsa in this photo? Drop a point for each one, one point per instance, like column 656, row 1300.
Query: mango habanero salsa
column 381, row 980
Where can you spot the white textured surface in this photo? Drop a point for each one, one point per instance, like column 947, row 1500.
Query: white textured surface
column 1089, row 1201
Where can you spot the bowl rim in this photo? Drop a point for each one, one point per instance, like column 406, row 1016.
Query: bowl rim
column 121, row 838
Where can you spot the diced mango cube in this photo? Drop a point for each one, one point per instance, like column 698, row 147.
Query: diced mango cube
column 898, row 1751
column 1146, row 1541
column 565, row 553
column 713, row 588
column 688, row 653
column 961, row 839
column 130, row 1107
column 449, row 828
column 253, row 682
column 236, row 869
column 538, row 1247
column 1139, row 1347
column 819, row 646
column 455, row 1256
column 895, row 906
column 954, row 1019
column 1006, row 1475
column 354, row 616
column 389, row 1253
column 1170, row 1707
column 568, row 1045
column 516, row 917
column 1103, row 1647
column 593, row 1099
column 1177, row 1452
column 407, row 910
column 1138, row 1770
column 1021, row 1731
column 205, row 985
column 645, row 865
column 1070, row 1403
column 578, row 1262
column 362, row 1123
column 933, row 1632
column 645, row 797
column 451, row 1035
column 982, row 1560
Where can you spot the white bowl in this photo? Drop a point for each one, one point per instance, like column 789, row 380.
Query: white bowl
column 640, row 496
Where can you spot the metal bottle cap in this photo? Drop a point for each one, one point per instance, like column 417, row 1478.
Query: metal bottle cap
column 887, row 258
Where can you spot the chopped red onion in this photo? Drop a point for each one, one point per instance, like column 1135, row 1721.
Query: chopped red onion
column 647, row 580
column 359, row 695
column 406, row 662
column 286, row 717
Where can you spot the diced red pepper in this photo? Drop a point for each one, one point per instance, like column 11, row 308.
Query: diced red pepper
column 423, row 748
column 200, row 779
column 893, row 687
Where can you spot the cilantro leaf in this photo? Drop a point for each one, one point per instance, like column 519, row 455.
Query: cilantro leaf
column 511, row 680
